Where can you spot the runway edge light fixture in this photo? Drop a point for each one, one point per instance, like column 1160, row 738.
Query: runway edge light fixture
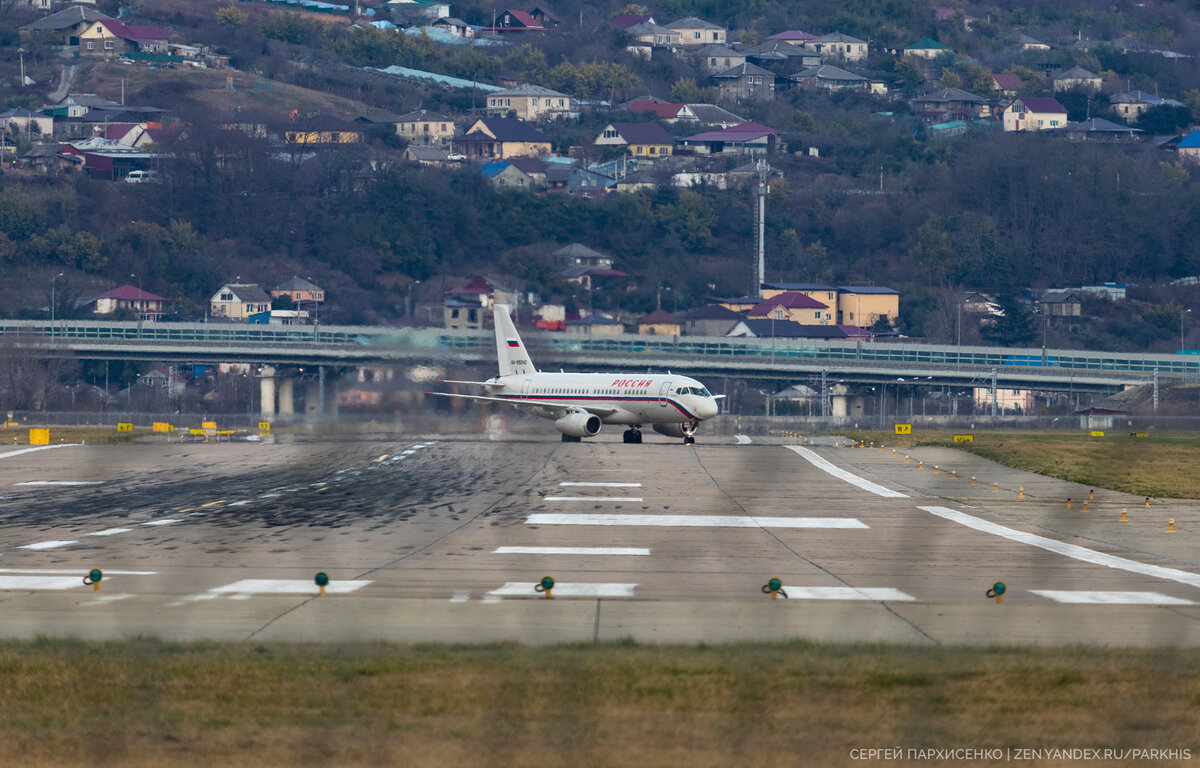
column 774, row 588
column 997, row 591
column 321, row 580
column 94, row 576
column 545, row 585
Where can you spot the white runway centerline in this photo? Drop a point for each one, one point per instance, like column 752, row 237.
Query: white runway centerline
column 526, row 589
column 825, row 466
column 593, row 498
column 878, row 594
column 1069, row 550
column 1109, row 598
column 168, row 521
column 571, row 551
column 61, row 482
column 601, row 485
column 109, row 532
column 696, row 521
column 48, row 544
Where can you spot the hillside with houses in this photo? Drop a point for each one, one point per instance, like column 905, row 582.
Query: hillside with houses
column 412, row 159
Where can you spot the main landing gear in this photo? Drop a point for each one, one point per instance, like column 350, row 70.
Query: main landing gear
column 571, row 439
column 631, row 435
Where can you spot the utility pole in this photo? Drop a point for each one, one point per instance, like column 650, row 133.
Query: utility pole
column 760, row 220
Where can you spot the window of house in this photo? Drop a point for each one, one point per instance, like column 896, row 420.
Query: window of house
column 226, row 297
column 91, row 45
column 535, row 102
column 108, row 45
column 1053, row 123
column 426, row 127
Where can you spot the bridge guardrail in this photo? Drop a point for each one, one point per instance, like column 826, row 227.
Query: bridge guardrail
column 654, row 348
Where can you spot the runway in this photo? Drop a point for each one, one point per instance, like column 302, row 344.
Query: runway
column 443, row 539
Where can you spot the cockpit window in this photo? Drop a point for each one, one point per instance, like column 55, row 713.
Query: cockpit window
column 692, row 391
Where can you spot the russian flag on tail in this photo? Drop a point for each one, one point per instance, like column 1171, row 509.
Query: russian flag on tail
column 514, row 343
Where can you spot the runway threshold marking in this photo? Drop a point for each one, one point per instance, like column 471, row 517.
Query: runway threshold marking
column 570, row 551
column 695, row 521
column 878, row 594
column 1084, row 597
column 9, row 454
column 48, row 544
column 18, row 583
column 526, row 589
column 287, row 587
column 593, row 498
column 599, row 485
column 825, row 466
column 77, row 571
column 1069, row 550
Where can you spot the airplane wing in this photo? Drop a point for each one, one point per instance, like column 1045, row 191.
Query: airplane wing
column 598, row 410
column 476, row 383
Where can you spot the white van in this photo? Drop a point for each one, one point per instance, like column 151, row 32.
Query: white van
column 140, row 177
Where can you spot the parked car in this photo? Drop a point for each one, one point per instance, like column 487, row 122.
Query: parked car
column 141, row 177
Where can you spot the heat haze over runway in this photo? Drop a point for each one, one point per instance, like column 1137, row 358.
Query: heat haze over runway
column 444, row 538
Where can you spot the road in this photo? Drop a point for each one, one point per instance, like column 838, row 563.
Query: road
column 442, row 539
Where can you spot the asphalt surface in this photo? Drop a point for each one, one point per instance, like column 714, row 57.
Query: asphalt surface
column 442, row 539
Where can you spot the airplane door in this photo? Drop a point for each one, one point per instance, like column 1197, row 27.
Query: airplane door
column 525, row 386
column 663, row 391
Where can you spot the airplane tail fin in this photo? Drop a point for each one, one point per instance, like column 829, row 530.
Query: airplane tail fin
column 510, row 350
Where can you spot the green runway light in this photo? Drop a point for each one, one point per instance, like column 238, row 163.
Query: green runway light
column 321, row 579
column 95, row 575
column 999, row 587
column 547, row 583
column 774, row 585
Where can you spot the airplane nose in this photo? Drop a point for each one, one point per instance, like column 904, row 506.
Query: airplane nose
column 707, row 409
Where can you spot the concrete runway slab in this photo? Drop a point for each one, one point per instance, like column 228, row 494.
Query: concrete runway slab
column 178, row 526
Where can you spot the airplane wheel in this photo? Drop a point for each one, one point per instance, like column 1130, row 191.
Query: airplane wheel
column 628, row 436
column 689, row 440
column 637, row 437
column 571, row 439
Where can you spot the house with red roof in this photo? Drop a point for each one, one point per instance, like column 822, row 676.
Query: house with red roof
column 795, row 306
column 109, row 38
column 146, row 305
column 627, row 20
column 659, row 323
column 515, row 21
column 1034, row 113
column 1007, row 84
column 747, row 138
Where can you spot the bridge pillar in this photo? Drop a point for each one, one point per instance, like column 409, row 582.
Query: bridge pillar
column 266, row 384
column 287, row 405
column 330, row 404
column 839, row 402
column 312, row 399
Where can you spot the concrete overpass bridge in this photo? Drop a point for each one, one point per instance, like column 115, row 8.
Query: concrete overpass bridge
column 279, row 350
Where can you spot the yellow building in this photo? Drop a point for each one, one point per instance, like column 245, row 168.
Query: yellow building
column 531, row 102
column 648, row 140
column 323, row 129
column 499, row 138
column 826, row 294
column 658, row 323
column 423, row 127
column 864, row 305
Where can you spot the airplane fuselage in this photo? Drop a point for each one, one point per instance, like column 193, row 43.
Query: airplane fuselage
column 636, row 399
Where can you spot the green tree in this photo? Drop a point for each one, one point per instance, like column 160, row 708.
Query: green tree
column 949, row 79
column 231, row 15
column 691, row 219
column 931, row 253
column 1015, row 327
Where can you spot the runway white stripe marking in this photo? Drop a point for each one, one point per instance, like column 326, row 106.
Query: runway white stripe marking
column 47, row 544
column 241, row 503
column 593, row 498
column 742, row 439
column 287, row 587
column 40, row 582
column 1110, row 598
column 168, row 521
column 601, row 485
column 107, row 599
column 37, row 448
column 570, row 551
column 1069, row 550
column 878, row 594
column 696, row 521
column 841, row 474
column 525, row 589
column 271, row 496
column 109, row 532
column 61, row 482
column 78, row 571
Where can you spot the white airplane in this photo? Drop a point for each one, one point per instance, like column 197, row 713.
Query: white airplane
column 579, row 403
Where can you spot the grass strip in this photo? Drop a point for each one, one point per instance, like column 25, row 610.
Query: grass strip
column 151, row 703
column 1161, row 466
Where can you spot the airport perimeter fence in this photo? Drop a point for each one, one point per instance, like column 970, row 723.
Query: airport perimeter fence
column 1119, row 425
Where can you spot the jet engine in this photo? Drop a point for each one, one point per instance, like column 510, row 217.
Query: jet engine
column 685, row 429
column 578, row 425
